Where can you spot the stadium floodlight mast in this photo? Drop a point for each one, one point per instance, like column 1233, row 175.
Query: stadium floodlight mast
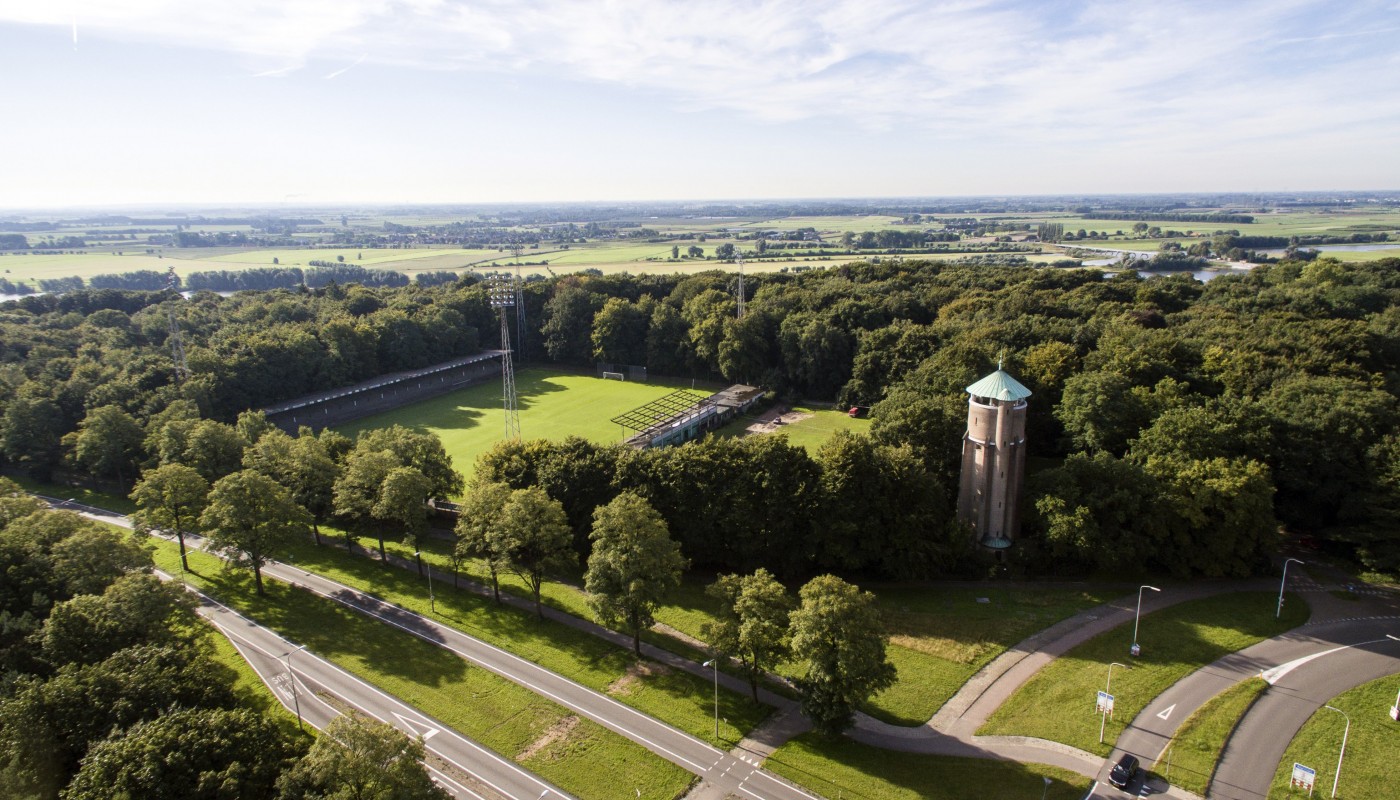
column 501, row 292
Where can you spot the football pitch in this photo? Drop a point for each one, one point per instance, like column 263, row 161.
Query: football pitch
column 553, row 404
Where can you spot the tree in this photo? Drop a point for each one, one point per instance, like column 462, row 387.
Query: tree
column 107, row 442
column 568, row 323
column 29, row 433
column 302, row 464
column 836, row 635
column 253, row 519
column 533, row 538
column 357, row 758
column 194, row 753
column 675, row 251
column 403, row 503
column 752, row 622
column 694, row 251
column 357, row 488
column 724, row 251
column 476, row 536
column 136, row 609
column 633, row 565
column 214, row 449
column 422, row 451
column 170, row 498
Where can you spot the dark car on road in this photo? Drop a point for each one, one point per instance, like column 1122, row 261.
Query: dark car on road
column 1123, row 772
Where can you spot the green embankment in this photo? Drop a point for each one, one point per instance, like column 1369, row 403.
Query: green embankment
column 846, row 769
column 584, row 758
column 1196, row 747
column 1373, row 746
column 1058, row 703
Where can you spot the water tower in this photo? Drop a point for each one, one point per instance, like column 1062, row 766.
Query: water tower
column 994, row 460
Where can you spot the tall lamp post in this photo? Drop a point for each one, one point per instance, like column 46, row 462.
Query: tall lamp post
column 1108, row 689
column 1279, row 611
column 714, row 663
column 432, row 601
column 1342, row 754
column 296, row 698
column 1138, row 616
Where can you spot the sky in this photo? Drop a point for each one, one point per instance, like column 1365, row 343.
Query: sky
column 129, row 102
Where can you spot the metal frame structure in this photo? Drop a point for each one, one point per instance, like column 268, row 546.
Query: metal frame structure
column 657, row 414
column 503, row 292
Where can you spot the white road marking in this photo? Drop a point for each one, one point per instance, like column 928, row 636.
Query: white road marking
column 1167, row 712
column 413, row 726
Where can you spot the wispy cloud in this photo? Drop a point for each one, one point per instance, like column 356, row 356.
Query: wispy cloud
column 964, row 70
column 346, row 69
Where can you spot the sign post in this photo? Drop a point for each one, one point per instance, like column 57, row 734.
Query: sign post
column 1104, row 707
column 1303, row 778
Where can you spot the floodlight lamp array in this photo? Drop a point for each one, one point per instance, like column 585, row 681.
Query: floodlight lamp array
column 501, row 292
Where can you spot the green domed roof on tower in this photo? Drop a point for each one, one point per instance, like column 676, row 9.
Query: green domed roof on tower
column 999, row 386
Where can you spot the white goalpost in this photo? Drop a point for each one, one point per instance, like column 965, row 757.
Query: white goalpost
column 614, row 376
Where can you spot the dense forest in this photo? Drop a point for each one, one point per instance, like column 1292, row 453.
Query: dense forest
column 1174, row 424
column 110, row 687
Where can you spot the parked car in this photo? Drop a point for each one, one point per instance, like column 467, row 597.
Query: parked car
column 1123, row 772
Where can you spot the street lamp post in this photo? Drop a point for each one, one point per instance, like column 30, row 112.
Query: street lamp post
column 1046, row 790
column 1108, row 689
column 1342, row 754
column 1279, row 611
column 714, row 663
column 1138, row 616
column 296, row 698
column 432, row 601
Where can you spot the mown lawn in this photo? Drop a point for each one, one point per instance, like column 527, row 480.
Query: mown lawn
column 940, row 635
column 680, row 699
column 1058, row 703
column 552, row 405
column 846, row 769
column 1196, row 747
column 1373, row 746
column 475, row 702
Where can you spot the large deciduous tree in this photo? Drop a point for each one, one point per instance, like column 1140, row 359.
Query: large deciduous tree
column 533, row 538
column 253, row 519
column 170, row 498
column 107, row 442
column 633, row 565
column 403, row 503
column 752, row 623
column 357, row 758
column 476, row 538
column 838, row 639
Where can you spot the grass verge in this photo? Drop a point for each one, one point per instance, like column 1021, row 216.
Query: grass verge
column 249, row 688
column 677, row 698
column 1196, row 746
column 843, row 768
column 1373, row 745
column 1058, row 703
column 586, row 761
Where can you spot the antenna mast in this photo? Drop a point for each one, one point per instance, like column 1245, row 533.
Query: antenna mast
column 502, row 292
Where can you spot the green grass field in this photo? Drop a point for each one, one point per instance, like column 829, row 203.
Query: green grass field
column 810, row 432
column 677, row 698
column 250, row 689
column 1373, row 746
column 1196, row 746
column 1058, row 703
column 588, row 760
column 552, row 405
column 841, row 768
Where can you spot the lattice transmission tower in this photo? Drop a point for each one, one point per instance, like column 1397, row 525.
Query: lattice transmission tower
column 502, row 291
column 177, row 344
column 740, row 259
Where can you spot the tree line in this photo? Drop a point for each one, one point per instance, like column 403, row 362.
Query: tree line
column 1109, row 359
column 109, row 686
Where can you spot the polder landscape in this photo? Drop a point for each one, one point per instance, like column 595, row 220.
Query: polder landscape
column 722, row 401
column 1191, row 424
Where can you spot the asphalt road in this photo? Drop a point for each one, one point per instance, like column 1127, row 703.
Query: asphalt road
column 1255, row 749
column 728, row 772
column 322, row 691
